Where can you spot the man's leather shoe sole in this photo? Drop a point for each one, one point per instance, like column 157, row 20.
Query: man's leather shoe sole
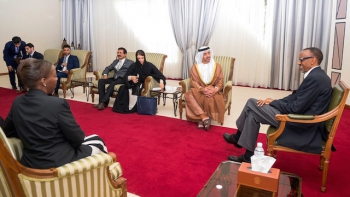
column 101, row 106
column 238, row 159
column 230, row 140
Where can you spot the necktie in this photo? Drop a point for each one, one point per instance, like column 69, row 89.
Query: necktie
column 30, row 56
column 16, row 49
column 119, row 65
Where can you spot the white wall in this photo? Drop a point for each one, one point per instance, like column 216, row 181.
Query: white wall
column 35, row 21
column 339, row 47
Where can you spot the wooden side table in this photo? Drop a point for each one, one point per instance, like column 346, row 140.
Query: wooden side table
column 172, row 91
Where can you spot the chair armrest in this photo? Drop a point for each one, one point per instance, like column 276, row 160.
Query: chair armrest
column 297, row 118
column 85, row 164
column 227, row 87
column 148, row 85
column 78, row 73
column 98, row 74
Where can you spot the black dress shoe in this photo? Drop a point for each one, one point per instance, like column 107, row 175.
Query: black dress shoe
column 238, row 159
column 14, row 88
column 101, row 106
column 230, row 140
column 96, row 105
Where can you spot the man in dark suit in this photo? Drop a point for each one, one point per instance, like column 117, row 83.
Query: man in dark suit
column 31, row 53
column 13, row 52
column 65, row 63
column 312, row 97
column 120, row 66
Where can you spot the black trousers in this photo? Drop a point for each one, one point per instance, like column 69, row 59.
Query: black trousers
column 105, row 94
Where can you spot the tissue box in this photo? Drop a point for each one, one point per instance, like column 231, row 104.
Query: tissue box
column 265, row 181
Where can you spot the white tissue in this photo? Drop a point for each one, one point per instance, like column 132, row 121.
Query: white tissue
column 262, row 163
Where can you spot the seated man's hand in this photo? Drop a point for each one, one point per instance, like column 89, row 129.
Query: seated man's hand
column 267, row 101
column 105, row 76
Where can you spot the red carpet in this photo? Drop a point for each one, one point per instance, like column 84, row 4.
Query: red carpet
column 169, row 157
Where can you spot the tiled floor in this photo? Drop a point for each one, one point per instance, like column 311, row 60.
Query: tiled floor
column 239, row 97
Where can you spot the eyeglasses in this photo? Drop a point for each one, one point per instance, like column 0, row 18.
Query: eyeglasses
column 304, row 58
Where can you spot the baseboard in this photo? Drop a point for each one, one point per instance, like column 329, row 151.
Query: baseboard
column 347, row 106
column 4, row 74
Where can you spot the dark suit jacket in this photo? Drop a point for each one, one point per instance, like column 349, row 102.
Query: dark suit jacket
column 49, row 133
column 73, row 62
column 10, row 52
column 36, row 55
column 121, row 72
column 311, row 98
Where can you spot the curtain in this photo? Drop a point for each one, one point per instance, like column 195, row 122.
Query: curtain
column 192, row 24
column 180, row 11
column 134, row 24
column 298, row 24
column 243, row 31
column 77, row 23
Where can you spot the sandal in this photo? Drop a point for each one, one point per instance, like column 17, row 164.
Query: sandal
column 200, row 125
column 207, row 123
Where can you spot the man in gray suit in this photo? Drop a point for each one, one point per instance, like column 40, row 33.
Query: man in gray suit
column 120, row 66
column 312, row 98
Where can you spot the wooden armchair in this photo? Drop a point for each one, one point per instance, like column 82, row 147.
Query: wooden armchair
column 76, row 73
column 53, row 55
column 227, row 64
column 157, row 59
column 97, row 175
column 331, row 119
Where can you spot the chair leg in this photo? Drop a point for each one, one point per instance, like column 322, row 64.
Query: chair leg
column 84, row 89
column 92, row 96
column 180, row 108
column 229, row 109
column 324, row 175
column 321, row 162
column 64, row 88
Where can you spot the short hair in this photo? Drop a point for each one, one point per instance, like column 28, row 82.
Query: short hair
column 16, row 40
column 30, row 45
column 317, row 53
column 140, row 52
column 124, row 50
column 32, row 70
column 66, row 46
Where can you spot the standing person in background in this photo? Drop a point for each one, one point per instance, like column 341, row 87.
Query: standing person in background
column 14, row 51
column 31, row 53
column 204, row 100
column 66, row 63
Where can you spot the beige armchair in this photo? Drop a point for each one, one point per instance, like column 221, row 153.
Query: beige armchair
column 95, row 176
column 227, row 64
column 76, row 73
column 157, row 59
column 52, row 55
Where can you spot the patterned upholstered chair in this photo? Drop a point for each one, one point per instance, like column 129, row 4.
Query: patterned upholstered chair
column 331, row 118
column 227, row 64
column 76, row 73
column 157, row 59
column 97, row 175
column 53, row 55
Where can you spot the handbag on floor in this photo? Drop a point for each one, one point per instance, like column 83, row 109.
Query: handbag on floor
column 146, row 105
